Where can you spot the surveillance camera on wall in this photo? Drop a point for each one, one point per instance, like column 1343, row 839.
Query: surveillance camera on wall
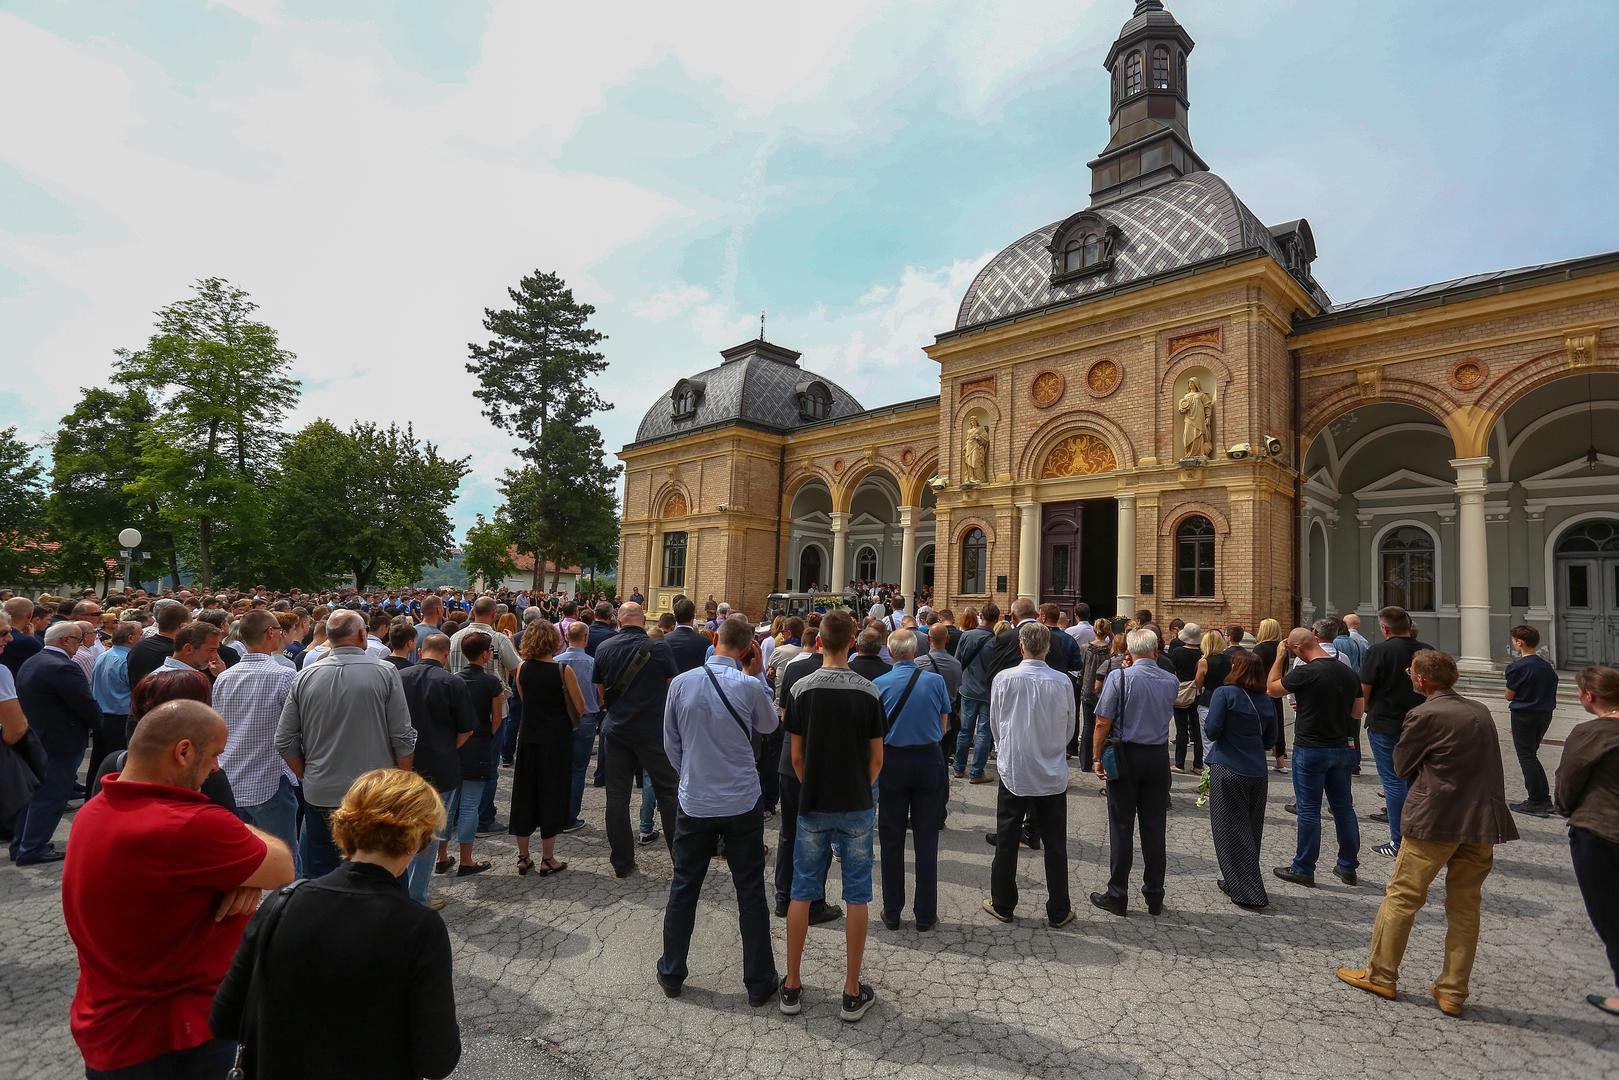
column 722, row 507
column 938, row 483
column 1239, row 451
column 1273, row 446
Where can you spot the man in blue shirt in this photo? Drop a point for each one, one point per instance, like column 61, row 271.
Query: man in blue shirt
column 912, row 786
column 584, row 736
column 710, row 719
column 1138, row 700
column 1531, row 697
column 109, row 683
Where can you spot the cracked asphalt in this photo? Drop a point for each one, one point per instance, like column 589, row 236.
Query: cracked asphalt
column 554, row 976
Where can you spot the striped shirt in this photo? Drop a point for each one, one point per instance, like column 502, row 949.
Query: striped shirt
column 250, row 696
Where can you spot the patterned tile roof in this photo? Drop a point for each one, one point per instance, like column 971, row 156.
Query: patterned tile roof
column 1180, row 223
column 760, row 386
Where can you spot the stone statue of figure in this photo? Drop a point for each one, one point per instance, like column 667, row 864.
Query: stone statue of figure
column 975, row 452
column 1197, row 432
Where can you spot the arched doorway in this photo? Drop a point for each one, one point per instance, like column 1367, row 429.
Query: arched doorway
column 810, row 568
column 1587, row 575
column 924, row 568
column 1316, row 581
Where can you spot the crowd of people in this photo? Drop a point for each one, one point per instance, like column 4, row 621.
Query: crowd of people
column 344, row 750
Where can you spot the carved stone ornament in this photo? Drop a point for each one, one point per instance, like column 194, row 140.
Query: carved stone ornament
column 1210, row 336
column 1581, row 346
column 1046, row 389
column 1469, row 374
column 1079, row 455
column 837, row 467
column 975, row 452
column 1103, row 378
column 982, row 385
column 675, row 506
column 907, row 456
column 1370, row 382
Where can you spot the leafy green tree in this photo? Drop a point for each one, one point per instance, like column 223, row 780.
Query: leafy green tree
column 370, row 501
column 95, row 459
column 219, row 381
column 487, row 552
column 22, row 498
column 533, row 381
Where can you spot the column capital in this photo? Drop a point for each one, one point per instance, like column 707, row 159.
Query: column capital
column 1472, row 472
column 1126, row 499
column 907, row 517
column 840, row 520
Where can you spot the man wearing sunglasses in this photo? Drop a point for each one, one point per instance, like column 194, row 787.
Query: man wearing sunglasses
column 56, row 698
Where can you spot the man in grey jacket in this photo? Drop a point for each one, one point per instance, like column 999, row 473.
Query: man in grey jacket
column 344, row 716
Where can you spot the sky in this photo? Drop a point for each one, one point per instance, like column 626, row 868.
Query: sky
column 375, row 174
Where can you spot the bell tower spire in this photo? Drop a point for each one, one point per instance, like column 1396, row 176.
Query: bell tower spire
column 1151, row 143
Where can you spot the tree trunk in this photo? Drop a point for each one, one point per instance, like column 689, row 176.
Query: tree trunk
column 539, row 572
column 204, row 534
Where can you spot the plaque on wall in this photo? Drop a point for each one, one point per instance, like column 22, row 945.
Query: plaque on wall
column 1000, row 583
column 1520, row 596
column 1146, row 584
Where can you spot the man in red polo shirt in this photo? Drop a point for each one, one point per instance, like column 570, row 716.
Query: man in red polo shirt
column 157, row 889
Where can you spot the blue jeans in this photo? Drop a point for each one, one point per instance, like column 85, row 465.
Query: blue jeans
column 818, row 834
column 649, row 805
column 486, row 804
column 419, row 874
column 316, row 851
column 1318, row 769
column 461, row 815
column 278, row 816
column 584, row 740
column 36, row 822
column 1394, row 788
column 974, row 729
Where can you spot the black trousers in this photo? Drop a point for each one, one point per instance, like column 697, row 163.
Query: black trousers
column 108, row 737
column 1084, row 742
column 695, row 844
column 1596, row 869
column 1047, row 815
column 912, row 789
column 625, row 761
column 769, row 757
column 1186, row 732
column 1143, row 794
column 1527, row 730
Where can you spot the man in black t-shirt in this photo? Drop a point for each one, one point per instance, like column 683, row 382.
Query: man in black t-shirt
column 1327, row 704
column 1386, row 686
column 835, row 723
column 806, row 663
column 868, row 662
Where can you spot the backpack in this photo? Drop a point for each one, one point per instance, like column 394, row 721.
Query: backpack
column 1003, row 655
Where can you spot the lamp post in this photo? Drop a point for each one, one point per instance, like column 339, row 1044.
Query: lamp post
column 129, row 539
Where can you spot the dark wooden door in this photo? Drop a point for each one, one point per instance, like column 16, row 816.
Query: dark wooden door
column 1061, row 539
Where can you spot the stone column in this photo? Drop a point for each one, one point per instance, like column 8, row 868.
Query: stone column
column 654, row 562
column 840, row 553
column 1028, row 559
column 1126, row 586
column 907, row 557
column 1473, row 564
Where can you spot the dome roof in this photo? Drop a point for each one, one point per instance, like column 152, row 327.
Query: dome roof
column 756, row 383
column 1175, row 225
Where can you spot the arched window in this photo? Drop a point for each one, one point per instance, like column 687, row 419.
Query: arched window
column 1160, row 68
column 674, row 560
column 1132, row 75
column 814, row 401
column 685, row 403
column 1194, row 557
column 974, row 562
column 1073, row 256
column 1180, row 58
column 1407, row 558
column 1093, row 249
column 1594, row 537
column 865, row 564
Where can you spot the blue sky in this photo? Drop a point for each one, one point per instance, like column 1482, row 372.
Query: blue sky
column 376, row 173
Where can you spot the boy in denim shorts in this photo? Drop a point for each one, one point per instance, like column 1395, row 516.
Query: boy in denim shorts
column 835, row 720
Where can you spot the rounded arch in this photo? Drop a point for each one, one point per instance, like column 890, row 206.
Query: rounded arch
column 673, row 500
column 801, row 477
column 1172, row 520
column 1372, row 436
column 1438, row 561
column 1058, row 428
column 876, row 473
column 1347, row 399
column 914, row 483
column 960, row 527
column 1511, row 446
column 1196, row 356
column 1549, row 562
column 867, row 566
column 1317, row 564
column 820, row 566
column 1522, row 379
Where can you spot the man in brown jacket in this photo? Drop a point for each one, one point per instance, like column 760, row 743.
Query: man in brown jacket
column 1454, row 815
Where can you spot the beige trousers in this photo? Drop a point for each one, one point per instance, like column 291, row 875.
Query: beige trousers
column 1419, row 862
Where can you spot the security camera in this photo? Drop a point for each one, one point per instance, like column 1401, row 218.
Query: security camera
column 938, row 483
column 1273, row 446
column 722, row 507
column 1239, row 451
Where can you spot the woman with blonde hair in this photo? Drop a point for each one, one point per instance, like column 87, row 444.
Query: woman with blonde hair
column 542, row 774
column 346, row 975
column 1268, row 638
column 1212, row 670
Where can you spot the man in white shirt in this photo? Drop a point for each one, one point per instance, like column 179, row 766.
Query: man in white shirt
column 1031, row 710
column 1352, row 628
column 1082, row 631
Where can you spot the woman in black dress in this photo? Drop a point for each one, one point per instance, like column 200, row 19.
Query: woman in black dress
column 1212, row 670
column 1269, row 638
column 542, row 776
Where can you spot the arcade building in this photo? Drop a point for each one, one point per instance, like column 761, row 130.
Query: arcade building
column 1153, row 403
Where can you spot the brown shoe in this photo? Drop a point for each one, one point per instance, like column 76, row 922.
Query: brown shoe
column 1447, row 1005
column 436, row 903
column 980, row 780
column 1362, row 978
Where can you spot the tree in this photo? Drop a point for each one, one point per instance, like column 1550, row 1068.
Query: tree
column 487, row 553
column 95, row 459
column 368, row 501
column 532, row 381
column 22, row 499
column 218, row 377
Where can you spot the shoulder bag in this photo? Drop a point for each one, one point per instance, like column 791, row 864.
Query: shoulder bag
column 1113, row 760
column 643, row 655
column 250, row 1004
column 899, row 706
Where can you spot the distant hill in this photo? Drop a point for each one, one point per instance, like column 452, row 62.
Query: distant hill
column 445, row 572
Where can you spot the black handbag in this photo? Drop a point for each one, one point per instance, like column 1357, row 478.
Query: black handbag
column 250, row 1006
column 22, row 770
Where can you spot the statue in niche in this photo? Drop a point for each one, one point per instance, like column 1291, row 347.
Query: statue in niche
column 975, row 452
column 1197, row 431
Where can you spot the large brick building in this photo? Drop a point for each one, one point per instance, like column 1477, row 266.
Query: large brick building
column 1153, row 403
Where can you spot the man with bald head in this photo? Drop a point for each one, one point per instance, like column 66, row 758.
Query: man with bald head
column 1327, row 705
column 632, row 680
column 156, row 893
